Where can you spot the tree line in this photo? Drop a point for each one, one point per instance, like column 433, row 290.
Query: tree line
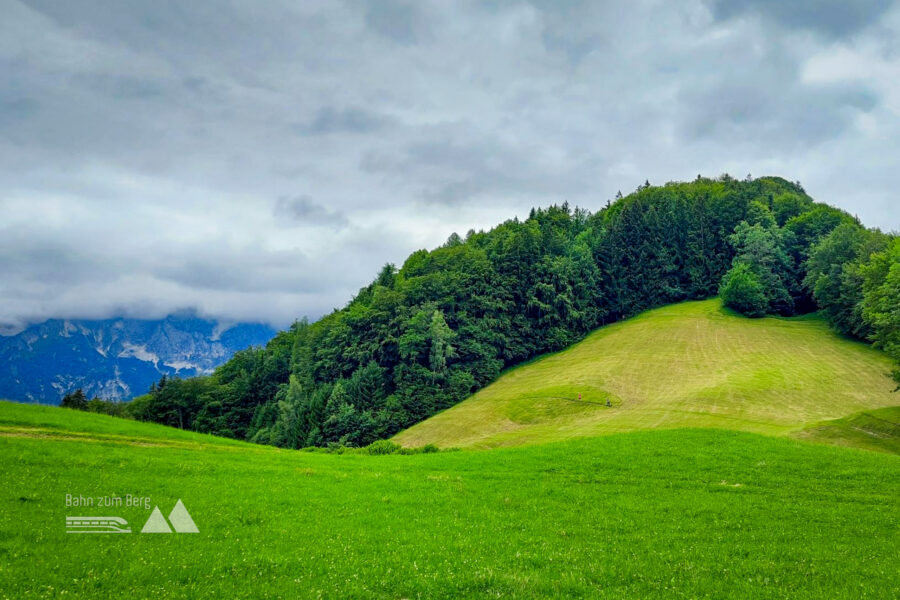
column 422, row 337
column 819, row 259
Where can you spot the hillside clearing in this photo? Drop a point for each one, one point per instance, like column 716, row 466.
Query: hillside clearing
column 694, row 364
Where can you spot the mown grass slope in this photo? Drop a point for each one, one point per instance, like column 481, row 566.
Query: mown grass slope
column 877, row 430
column 694, row 364
column 658, row 514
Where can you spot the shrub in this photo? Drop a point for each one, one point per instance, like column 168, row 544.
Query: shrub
column 389, row 447
column 742, row 291
column 336, row 448
column 383, row 447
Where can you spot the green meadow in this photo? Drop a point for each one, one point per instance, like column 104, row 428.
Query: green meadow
column 690, row 513
column 694, row 364
column 697, row 481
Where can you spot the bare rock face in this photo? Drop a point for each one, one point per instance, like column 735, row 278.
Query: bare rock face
column 115, row 359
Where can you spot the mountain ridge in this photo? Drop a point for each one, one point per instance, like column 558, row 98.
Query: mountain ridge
column 116, row 358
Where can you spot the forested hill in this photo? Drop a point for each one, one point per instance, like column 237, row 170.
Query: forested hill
column 422, row 337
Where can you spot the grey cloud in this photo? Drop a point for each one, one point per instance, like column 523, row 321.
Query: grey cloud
column 328, row 120
column 47, row 262
column 303, row 210
column 14, row 109
column 142, row 143
column 248, row 271
column 836, row 18
column 456, row 166
column 574, row 48
column 120, row 87
column 397, row 20
column 794, row 117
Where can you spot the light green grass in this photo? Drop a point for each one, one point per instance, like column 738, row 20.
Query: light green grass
column 661, row 514
column 693, row 364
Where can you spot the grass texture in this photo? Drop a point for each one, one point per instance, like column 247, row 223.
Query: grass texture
column 699, row 513
column 694, row 364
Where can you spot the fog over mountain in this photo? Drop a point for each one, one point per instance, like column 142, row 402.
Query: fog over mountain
column 261, row 161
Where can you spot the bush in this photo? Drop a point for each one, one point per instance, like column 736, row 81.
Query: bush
column 383, row 447
column 742, row 291
column 389, row 447
column 336, row 448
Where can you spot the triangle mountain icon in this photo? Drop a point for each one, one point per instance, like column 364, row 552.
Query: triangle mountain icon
column 181, row 520
column 156, row 523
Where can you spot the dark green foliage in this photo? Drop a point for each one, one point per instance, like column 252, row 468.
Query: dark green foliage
column 809, row 227
column 854, row 276
column 789, row 205
column 834, row 277
column 420, row 338
column 881, row 300
column 365, row 388
column 742, row 291
column 75, row 400
column 178, row 403
column 79, row 401
column 761, row 250
column 760, row 214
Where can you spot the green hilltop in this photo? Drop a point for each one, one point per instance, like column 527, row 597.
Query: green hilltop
column 423, row 337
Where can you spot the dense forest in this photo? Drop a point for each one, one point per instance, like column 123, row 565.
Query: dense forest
column 421, row 338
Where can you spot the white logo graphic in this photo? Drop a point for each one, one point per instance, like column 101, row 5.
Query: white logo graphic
column 181, row 520
column 97, row 525
column 156, row 523
column 179, row 517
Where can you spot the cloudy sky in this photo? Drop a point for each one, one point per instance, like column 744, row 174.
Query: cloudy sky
column 260, row 160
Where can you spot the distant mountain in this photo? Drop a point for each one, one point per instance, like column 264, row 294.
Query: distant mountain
column 115, row 358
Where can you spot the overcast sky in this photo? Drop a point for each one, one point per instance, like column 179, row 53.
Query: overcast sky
column 260, row 160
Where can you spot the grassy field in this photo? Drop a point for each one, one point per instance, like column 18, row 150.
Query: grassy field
column 693, row 364
column 658, row 514
column 688, row 500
